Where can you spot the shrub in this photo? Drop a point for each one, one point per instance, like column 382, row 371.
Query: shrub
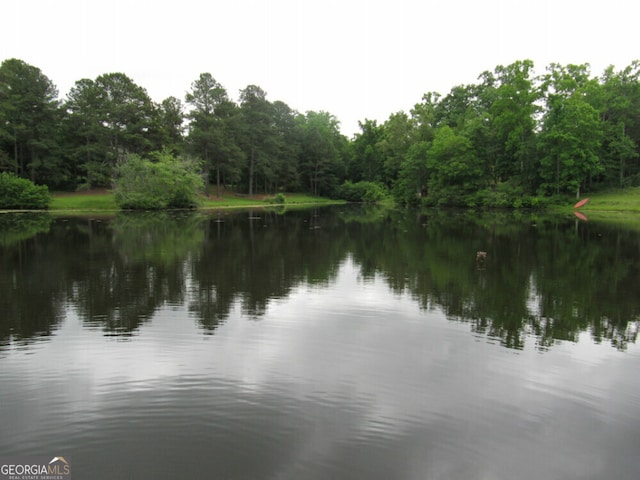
column 278, row 199
column 20, row 193
column 451, row 196
column 362, row 192
column 490, row 198
column 504, row 195
column 166, row 183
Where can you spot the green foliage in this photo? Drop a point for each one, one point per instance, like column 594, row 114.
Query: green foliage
column 413, row 175
column 258, row 134
column 497, row 142
column 511, row 97
column 277, row 199
column 107, row 119
column 362, row 192
column 167, row 182
column 321, row 153
column 20, row 193
column 366, row 153
column 29, row 118
column 454, row 173
column 504, row 195
column 170, row 120
column 570, row 142
column 212, row 130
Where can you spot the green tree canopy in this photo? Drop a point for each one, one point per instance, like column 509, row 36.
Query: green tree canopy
column 110, row 117
column 211, row 129
column 259, row 137
column 322, row 155
column 28, row 120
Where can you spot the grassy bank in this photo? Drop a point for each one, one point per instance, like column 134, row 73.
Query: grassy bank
column 240, row 201
column 617, row 207
column 85, row 201
column 104, row 201
column 625, row 200
column 614, row 201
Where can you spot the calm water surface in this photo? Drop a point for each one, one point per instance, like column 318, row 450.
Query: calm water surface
column 334, row 343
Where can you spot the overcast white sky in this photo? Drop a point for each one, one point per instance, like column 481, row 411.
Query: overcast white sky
column 356, row 59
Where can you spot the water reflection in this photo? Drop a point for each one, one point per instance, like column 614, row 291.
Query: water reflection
column 545, row 278
column 257, row 257
column 31, row 300
column 329, row 343
column 375, row 389
column 541, row 276
column 15, row 227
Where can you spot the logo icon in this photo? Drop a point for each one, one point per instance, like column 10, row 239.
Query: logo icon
column 58, row 466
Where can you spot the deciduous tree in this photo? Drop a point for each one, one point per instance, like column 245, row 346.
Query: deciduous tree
column 322, row 154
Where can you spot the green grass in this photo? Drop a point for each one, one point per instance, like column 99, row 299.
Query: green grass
column 65, row 202
column 91, row 202
column 232, row 201
column 626, row 200
column 616, row 207
column 623, row 200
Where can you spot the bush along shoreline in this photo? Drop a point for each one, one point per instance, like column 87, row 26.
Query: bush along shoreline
column 22, row 194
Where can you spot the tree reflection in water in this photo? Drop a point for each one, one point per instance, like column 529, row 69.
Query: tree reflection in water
column 545, row 278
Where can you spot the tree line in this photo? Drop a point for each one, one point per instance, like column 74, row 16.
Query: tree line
column 512, row 139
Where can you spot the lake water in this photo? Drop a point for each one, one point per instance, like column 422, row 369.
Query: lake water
column 333, row 343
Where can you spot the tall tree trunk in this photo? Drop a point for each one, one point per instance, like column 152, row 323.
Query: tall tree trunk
column 316, row 174
column 557, row 174
column 251, row 166
column 21, row 155
column 206, row 172
column 218, row 180
column 15, row 152
column 622, row 159
column 32, row 166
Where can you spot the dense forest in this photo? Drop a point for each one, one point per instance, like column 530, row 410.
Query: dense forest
column 512, row 139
